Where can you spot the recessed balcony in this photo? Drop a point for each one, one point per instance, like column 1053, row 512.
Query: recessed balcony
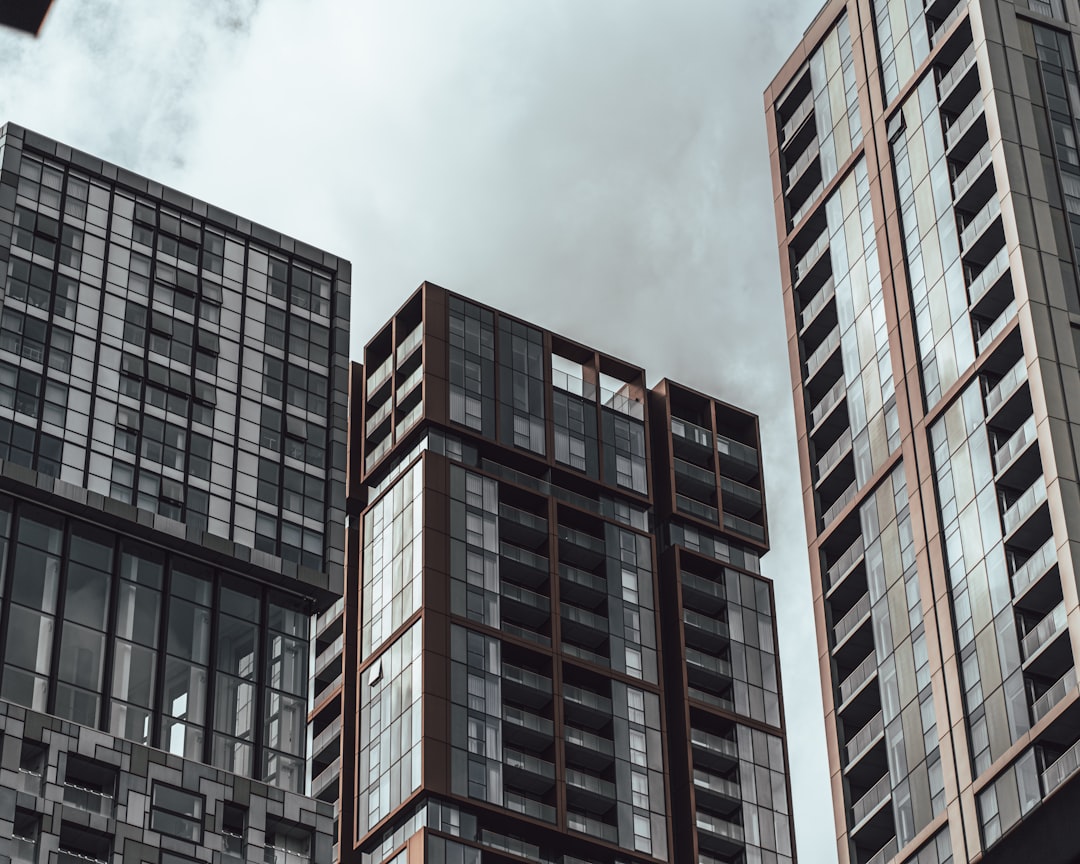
column 718, row 834
column 1014, row 448
column 837, row 506
column 718, row 793
column 870, row 804
column 703, row 632
column 703, row 670
column 693, row 507
column 844, row 566
column 823, row 410
column 526, row 686
column 796, row 121
column 988, row 277
column 840, row 448
column 1057, row 691
column 528, row 806
column 1062, row 769
column 591, row 793
column 528, row 772
column 1031, row 573
column 585, row 707
column 705, row 595
column 960, row 82
column 409, row 344
column 521, row 527
column 1001, row 394
column 526, row 729
column 967, row 132
column 974, row 182
column 522, row 566
column 583, row 627
column 976, row 240
column 1016, row 520
column 588, row 749
column 987, row 336
column 582, row 587
column 817, row 303
column 580, row 549
column 693, row 479
column 1036, row 643
column 853, row 619
column 586, row 824
column 737, row 460
column 855, row 683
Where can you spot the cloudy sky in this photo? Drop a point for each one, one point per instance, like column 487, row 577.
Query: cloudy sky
column 597, row 166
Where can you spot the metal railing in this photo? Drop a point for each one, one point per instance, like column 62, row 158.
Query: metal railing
column 1058, row 691
column 861, row 739
column 997, row 328
column 691, row 432
column 806, row 263
column 1062, row 769
column 845, row 562
column 1024, row 506
column 989, row 212
column 861, row 674
column 837, row 392
column 851, row 618
column 963, row 121
column 1033, row 569
column 870, row 801
column 822, row 353
column 795, row 121
column 1044, row 631
column 819, row 301
column 1008, row 385
column 1016, row 444
column 839, row 449
column 721, row 827
column 956, row 71
column 840, row 503
column 740, row 491
column 993, row 271
column 972, row 170
column 803, row 162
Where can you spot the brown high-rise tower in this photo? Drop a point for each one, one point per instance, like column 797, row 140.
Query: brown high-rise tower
column 927, row 194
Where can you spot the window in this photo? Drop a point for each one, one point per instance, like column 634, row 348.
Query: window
column 135, row 316
column 89, row 785
column 79, row 845
column 287, row 843
column 33, row 758
column 23, row 335
column 176, row 812
column 30, row 283
column 24, row 836
column 233, row 829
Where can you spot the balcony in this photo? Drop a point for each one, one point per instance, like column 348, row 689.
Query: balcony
column 862, row 740
column 331, row 653
column 585, row 706
column 942, row 29
column 724, row 703
column 581, row 586
column 854, row 682
column 805, row 264
column 699, row 479
column 834, row 510
column 532, row 773
column 796, row 120
column 988, row 276
column 522, row 527
column 330, row 735
column 713, row 749
column 964, row 121
column 1044, row 632
column 724, row 834
column 1010, row 382
column 870, row 803
column 706, row 669
column 588, row 749
column 709, row 595
column 327, row 780
column 839, row 449
column 376, row 419
column 957, row 71
column 409, row 420
column 585, row 787
column 585, row 824
column 819, row 301
column 717, row 786
column 531, row 730
column 1015, row 445
column 1056, row 692
column 837, row 393
column 379, row 376
column 1024, row 506
column 845, row 564
column 808, row 204
column 537, row 606
column 95, row 801
column 579, row 548
column 528, row 806
column 1000, row 325
column 410, row 343
column 973, row 169
column 521, row 565
column 1062, row 769
column 526, row 686
column 822, row 353
column 740, row 460
column 885, row 854
column 704, row 632
column 406, row 387
column 583, row 627
column 693, row 507
column 978, row 224
column 744, row 526
column 851, row 620
column 691, row 432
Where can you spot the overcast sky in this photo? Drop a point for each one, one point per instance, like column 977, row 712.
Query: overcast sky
column 596, row 166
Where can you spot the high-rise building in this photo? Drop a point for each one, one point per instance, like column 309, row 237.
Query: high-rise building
column 173, row 423
column 927, row 197
column 558, row 646
column 25, row 15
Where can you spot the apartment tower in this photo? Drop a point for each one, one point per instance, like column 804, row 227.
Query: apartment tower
column 173, row 420
column 563, row 650
column 927, row 198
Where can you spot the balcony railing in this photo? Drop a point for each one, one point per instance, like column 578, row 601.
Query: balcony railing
column 957, row 71
column 808, row 155
column 988, row 276
column 409, row 384
column 1047, row 629
column 839, row 449
column 409, row 420
column 581, row 539
column 840, row 503
column 583, row 578
column 944, row 26
column 871, row 800
column 808, row 204
column 795, row 121
column 713, row 665
column 410, row 342
column 736, row 451
column 90, row 800
column 819, row 301
column 837, row 392
column 578, row 779
column 1008, row 385
column 586, row 824
column 1058, row 691
column 862, row 673
column 528, row 762
column 852, row 618
column 714, row 744
column 524, row 596
column 703, row 585
column 584, row 617
column 529, row 806
column 972, row 170
column 885, row 854
column 586, row 698
column 705, row 780
column 588, row 741
column 974, row 229
column 1033, row 569
column 963, row 121
column 523, row 518
column 997, row 328
column 381, row 413
column 694, row 472
column 691, row 432
column 822, row 353
column 845, row 562
column 379, row 375
column 705, row 623
column 1062, row 769
column 711, row 698
column 861, row 739
column 1024, row 506
column 697, row 508
column 744, row 527
column 1015, row 445
column 806, row 263
column 526, row 678
column 720, row 827
column 527, row 720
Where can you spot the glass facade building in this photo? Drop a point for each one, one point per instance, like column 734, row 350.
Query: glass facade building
column 173, row 426
column 564, row 649
column 933, row 307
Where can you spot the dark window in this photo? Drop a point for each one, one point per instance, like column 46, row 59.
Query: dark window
column 176, row 812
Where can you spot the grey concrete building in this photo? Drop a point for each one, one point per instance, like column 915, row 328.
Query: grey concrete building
column 927, row 200
column 173, row 400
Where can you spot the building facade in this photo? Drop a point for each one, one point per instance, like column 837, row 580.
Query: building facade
column 173, row 424
column 927, row 192
column 563, row 647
